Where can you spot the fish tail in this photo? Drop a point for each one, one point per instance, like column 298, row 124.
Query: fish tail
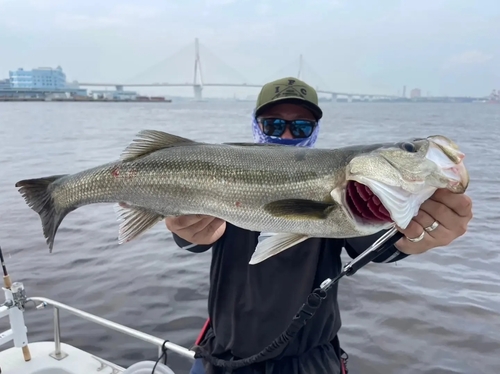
column 38, row 194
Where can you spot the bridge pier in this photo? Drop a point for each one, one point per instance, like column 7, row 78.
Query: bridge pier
column 119, row 87
column 198, row 92
column 334, row 97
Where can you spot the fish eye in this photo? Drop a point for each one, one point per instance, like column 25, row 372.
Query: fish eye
column 409, row 147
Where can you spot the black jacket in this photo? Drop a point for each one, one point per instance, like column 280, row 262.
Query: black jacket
column 250, row 305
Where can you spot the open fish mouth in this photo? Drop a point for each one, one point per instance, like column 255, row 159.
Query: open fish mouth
column 364, row 205
column 382, row 204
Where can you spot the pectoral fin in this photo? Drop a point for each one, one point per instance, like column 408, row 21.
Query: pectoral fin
column 135, row 221
column 300, row 209
column 274, row 245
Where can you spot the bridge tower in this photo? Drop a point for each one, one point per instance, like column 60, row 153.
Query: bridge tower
column 300, row 68
column 198, row 75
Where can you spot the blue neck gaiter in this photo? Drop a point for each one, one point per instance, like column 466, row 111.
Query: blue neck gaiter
column 260, row 137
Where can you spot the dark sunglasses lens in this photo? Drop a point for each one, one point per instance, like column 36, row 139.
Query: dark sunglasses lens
column 273, row 127
column 302, row 129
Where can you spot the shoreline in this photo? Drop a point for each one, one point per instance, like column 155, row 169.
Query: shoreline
column 3, row 99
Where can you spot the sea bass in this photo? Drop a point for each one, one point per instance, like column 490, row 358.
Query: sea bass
column 295, row 192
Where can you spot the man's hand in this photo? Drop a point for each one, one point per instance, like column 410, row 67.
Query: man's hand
column 452, row 212
column 197, row 229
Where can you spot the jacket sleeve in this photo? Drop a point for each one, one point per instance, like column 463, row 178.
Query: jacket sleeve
column 356, row 246
column 195, row 248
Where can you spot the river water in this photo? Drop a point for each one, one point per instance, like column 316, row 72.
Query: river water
column 434, row 313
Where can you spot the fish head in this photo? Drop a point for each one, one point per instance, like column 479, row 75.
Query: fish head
column 390, row 182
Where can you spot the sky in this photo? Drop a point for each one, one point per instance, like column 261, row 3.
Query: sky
column 443, row 47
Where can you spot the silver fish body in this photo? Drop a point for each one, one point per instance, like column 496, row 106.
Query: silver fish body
column 297, row 192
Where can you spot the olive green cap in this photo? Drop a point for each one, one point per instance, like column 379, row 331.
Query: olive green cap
column 288, row 90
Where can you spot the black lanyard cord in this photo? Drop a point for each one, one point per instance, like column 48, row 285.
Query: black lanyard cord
column 309, row 308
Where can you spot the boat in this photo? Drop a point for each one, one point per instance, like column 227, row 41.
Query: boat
column 494, row 97
column 56, row 357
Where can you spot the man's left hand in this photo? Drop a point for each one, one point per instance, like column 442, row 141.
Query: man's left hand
column 452, row 212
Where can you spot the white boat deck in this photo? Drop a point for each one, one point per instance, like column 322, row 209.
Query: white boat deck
column 77, row 361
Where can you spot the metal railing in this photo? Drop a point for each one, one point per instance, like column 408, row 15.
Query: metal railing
column 58, row 354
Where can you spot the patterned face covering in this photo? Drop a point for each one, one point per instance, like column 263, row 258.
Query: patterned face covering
column 260, row 137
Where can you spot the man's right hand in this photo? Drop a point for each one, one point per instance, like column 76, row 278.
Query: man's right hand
column 197, row 228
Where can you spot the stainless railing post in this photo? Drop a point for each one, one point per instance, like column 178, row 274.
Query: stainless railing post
column 57, row 332
column 57, row 354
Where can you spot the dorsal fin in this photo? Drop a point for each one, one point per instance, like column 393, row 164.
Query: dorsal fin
column 148, row 141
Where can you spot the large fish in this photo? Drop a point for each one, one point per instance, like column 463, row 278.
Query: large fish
column 293, row 191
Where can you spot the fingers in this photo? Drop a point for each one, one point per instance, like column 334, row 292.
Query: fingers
column 451, row 212
column 413, row 231
column 196, row 228
column 184, row 222
column 424, row 221
column 434, row 210
column 214, row 229
column 455, row 218
column 461, row 204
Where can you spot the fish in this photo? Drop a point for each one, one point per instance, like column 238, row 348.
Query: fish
column 295, row 192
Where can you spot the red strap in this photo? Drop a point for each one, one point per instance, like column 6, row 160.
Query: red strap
column 343, row 366
column 202, row 332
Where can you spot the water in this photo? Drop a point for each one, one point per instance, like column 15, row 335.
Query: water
column 435, row 313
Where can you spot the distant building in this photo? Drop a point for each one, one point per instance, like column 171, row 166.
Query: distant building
column 114, row 95
column 41, row 78
column 74, row 89
column 4, row 83
column 415, row 93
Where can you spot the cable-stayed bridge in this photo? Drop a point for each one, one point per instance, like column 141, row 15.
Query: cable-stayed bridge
column 221, row 75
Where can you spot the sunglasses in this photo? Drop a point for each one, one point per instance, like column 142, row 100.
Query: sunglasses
column 300, row 128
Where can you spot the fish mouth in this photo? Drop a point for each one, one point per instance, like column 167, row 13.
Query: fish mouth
column 445, row 153
column 364, row 205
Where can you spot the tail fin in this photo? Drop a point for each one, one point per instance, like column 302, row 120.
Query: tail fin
column 38, row 195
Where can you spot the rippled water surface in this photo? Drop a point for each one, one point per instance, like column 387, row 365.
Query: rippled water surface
column 434, row 313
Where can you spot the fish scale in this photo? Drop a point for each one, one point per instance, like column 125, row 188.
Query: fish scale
column 296, row 192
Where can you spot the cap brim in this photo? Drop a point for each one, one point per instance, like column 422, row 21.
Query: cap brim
column 315, row 110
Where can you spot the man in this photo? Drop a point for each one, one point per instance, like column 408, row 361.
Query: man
column 250, row 305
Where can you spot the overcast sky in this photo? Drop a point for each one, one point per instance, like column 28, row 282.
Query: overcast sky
column 445, row 47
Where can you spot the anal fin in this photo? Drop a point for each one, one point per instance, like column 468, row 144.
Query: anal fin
column 135, row 221
column 275, row 244
column 149, row 141
column 300, row 209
